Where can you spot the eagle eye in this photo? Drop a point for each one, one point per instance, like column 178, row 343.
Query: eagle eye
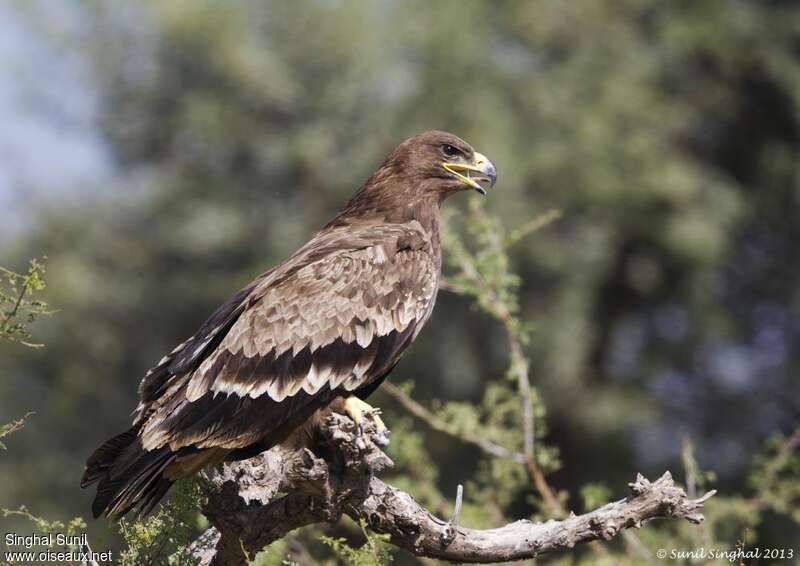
column 451, row 151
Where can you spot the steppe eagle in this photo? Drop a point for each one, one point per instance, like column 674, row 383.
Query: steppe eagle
column 319, row 332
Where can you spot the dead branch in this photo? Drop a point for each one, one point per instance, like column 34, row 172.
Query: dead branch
column 255, row 502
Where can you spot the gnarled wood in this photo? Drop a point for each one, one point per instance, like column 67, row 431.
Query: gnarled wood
column 247, row 517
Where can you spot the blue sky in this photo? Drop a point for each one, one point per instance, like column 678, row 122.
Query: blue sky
column 50, row 147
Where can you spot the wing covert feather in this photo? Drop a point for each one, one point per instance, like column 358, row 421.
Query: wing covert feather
column 333, row 324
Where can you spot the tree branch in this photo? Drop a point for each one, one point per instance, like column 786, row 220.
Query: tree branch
column 248, row 514
column 437, row 423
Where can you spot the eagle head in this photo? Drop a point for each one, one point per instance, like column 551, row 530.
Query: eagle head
column 416, row 177
column 442, row 162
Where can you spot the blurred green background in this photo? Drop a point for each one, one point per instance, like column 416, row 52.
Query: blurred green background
column 161, row 154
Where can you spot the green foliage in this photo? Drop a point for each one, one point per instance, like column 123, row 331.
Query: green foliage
column 595, row 495
column 13, row 426
column 45, row 526
column 19, row 302
column 410, row 455
column 482, row 261
column 374, row 552
column 511, row 408
column 18, row 309
column 275, row 555
column 165, row 536
column 70, row 529
column 774, row 477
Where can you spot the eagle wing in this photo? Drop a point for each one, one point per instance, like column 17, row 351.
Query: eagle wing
column 330, row 320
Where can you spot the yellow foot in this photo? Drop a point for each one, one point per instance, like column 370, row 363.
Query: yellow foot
column 356, row 409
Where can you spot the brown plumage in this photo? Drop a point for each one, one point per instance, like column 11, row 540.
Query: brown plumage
column 328, row 323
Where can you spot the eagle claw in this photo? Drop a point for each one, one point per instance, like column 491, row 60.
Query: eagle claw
column 356, row 409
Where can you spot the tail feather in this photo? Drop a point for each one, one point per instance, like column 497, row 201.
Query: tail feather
column 128, row 475
column 154, row 495
column 137, row 483
column 103, row 458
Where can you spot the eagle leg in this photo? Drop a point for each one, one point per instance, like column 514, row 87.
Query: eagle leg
column 356, row 409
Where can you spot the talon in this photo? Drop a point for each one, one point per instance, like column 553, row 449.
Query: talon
column 356, row 408
column 382, row 439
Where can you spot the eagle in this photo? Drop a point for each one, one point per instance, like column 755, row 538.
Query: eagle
column 315, row 334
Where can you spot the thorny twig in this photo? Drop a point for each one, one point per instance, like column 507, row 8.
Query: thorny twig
column 519, row 366
column 437, row 423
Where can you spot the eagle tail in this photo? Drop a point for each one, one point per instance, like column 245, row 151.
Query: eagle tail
column 127, row 474
column 101, row 459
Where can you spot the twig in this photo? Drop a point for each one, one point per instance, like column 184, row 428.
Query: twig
column 519, row 366
column 450, row 528
column 694, row 478
column 439, row 424
column 785, row 451
column 13, row 426
column 489, row 447
column 30, row 283
column 518, row 363
column 534, row 225
column 10, row 315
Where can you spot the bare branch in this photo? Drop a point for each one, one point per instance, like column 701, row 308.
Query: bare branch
column 392, row 511
column 322, row 490
column 534, row 225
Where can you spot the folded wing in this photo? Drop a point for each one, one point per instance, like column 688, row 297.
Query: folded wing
column 327, row 324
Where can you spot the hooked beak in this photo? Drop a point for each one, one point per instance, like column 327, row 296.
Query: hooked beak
column 481, row 170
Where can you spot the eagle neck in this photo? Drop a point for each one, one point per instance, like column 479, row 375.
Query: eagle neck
column 423, row 209
column 400, row 207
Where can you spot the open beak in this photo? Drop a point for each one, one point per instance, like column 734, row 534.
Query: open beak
column 481, row 170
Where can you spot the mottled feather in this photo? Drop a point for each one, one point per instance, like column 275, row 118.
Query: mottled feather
column 319, row 328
